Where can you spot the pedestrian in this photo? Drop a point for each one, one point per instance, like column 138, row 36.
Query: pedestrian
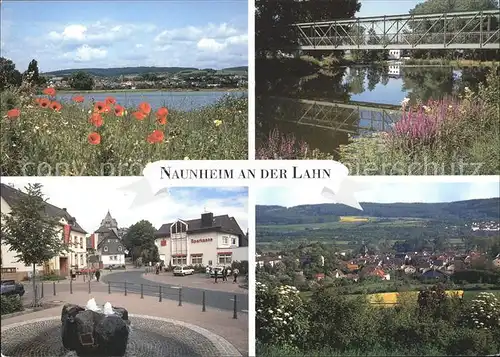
column 224, row 273
column 235, row 275
column 71, row 274
column 97, row 275
column 215, row 275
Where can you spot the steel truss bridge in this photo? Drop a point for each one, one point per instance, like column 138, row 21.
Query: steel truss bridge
column 458, row 30
column 353, row 118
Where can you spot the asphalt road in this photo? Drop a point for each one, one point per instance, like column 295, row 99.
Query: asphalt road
column 215, row 299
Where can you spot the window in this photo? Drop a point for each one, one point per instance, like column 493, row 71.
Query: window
column 225, row 240
column 81, row 242
column 209, row 262
column 120, row 248
column 196, row 259
column 105, row 248
column 225, row 258
column 179, row 260
column 233, row 241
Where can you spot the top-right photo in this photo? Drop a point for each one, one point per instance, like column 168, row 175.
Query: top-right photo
column 385, row 87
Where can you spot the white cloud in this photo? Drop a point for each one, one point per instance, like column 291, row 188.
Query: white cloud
column 194, row 34
column 85, row 53
column 89, row 198
column 210, row 44
column 97, row 33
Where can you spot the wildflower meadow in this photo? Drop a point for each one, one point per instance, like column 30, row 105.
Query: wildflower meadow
column 431, row 323
column 43, row 136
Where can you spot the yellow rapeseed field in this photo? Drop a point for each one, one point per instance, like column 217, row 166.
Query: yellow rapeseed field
column 393, row 297
column 353, row 219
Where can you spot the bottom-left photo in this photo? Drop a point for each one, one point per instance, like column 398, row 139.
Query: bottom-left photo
column 96, row 266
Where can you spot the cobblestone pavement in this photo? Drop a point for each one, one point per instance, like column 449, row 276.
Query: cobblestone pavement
column 218, row 322
column 198, row 281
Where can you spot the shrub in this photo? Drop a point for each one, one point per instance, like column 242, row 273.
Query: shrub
column 279, row 146
column 280, row 316
column 484, row 312
column 11, row 304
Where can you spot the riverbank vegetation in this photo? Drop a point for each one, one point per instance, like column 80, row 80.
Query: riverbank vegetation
column 43, row 136
column 331, row 324
column 436, row 137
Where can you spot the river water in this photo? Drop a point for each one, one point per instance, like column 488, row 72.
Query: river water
column 324, row 108
column 184, row 101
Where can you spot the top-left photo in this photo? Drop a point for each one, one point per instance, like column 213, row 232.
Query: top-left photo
column 102, row 88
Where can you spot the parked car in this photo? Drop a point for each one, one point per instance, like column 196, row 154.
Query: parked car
column 219, row 272
column 10, row 287
column 181, row 271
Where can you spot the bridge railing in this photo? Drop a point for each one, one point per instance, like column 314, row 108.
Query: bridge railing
column 452, row 30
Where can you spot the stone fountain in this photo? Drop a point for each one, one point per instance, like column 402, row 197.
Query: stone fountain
column 106, row 330
column 94, row 331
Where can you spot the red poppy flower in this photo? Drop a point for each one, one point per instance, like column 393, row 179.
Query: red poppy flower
column 156, row 136
column 51, row 92
column 96, row 120
column 139, row 115
column 107, row 108
column 56, row 106
column 110, row 100
column 94, row 138
column 162, row 112
column 13, row 113
column 99, row 107
column 161, row 120
column 145, row 108
column 37, row 100
column 78, row 98
column 119, row 110
column 44, row 102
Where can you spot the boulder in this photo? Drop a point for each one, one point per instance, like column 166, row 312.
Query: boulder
column 91, row 333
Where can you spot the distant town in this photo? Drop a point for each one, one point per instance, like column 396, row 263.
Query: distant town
column 155, row 78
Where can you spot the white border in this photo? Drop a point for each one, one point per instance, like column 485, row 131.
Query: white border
column 251, row 81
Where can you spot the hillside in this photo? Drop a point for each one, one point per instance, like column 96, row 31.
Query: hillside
column 112, row 72
column 471, row 210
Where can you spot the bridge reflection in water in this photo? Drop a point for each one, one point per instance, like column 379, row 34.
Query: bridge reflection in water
column 353, row 118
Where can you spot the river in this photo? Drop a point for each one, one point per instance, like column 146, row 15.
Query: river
column 326, row 107
column 184, row 101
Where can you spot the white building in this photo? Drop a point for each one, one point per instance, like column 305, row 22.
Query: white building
column 107, row 242
column 394, row 54
column 70, row 232
column 394, row 70
column 209, row 240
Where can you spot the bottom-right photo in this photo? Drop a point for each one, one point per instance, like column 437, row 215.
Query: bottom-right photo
column 415, row 272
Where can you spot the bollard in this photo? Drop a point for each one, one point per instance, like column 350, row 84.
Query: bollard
column 235, row 314
column 71, row 286
column 159, row 286
column 41, row 293
column 125, row 285
column 203, row 307
column 180, row 296
column 142, row 291
column 89, row 285
column 109, row 287
column 54, row 287
column 83, row 278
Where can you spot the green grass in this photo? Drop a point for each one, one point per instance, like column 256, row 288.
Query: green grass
column 44, row 142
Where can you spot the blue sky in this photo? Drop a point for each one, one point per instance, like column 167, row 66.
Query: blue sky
column 386, row 7
column 388, row 192
column 70, row 34
column 94, row 196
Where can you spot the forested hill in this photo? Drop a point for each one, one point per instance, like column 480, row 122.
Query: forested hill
column 112, row 72
column 471, row 210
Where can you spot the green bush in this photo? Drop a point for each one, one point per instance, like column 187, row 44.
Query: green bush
column 53, row 277
column 11, row 304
